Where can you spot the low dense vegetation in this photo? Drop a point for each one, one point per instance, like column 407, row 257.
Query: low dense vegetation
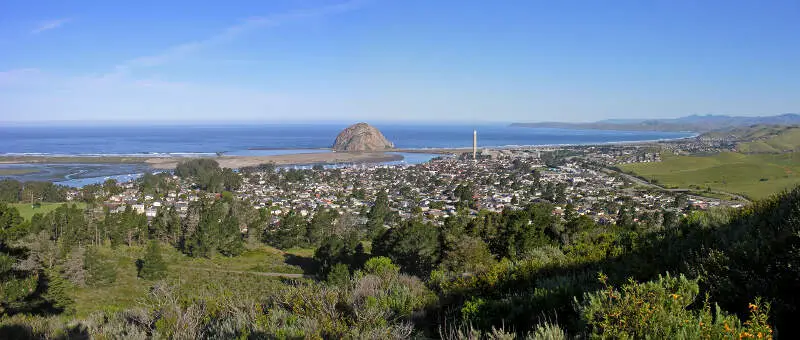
column 208, row 175
column 720, row 274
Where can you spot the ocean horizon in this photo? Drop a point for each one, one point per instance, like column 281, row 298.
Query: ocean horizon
column 235, row 139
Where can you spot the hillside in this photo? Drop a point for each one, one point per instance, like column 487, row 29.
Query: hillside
column 720, row 274
column 695, row 123
column 761, row 138
column 752, row 175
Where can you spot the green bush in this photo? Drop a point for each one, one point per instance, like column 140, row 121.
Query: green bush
column 381, row 266
column 660, row 309
column 339, row 274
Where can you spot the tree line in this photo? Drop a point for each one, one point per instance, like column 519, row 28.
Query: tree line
column 13, row 191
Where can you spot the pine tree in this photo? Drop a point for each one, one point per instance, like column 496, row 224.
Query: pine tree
column 205, row 239
column 15, row 285
column 152, row 266
column 256, row 229
column 290, row 233
column 231, row 242
column 320, row 225
column 57, row 294
column 376, row 218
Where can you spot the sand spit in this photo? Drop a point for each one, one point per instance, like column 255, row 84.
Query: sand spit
column 236, row 162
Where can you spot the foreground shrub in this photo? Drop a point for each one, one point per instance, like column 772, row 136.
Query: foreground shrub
column 543, row 331
column 660, row 309
column 381, row 266
column 365, row 307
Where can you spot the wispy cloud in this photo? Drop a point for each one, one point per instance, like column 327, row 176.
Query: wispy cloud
column 130, row 95
column 230, row 33
column 18, row 76
column 49, row 25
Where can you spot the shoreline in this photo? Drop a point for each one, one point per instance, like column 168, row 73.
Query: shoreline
column 234, row 162
column 65, row 159
column 324, row 156
column 456, row 150
column 237, row 162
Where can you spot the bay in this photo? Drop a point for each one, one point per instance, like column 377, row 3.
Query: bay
column 259, row 140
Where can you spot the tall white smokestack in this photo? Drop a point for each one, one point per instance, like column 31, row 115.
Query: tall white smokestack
column 474, row 144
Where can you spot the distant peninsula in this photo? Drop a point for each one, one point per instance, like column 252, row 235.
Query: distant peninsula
column 694, row 123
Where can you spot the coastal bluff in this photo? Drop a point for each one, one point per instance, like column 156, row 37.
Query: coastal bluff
column 361, row 137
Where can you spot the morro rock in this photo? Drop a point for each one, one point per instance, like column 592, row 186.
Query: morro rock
column 361, row 137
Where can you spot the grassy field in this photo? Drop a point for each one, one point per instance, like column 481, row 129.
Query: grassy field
column 752, row 175
column 26, row 210
column 194, row 278
column 265, row 259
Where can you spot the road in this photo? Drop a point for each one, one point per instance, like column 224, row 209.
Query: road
column 642, row 182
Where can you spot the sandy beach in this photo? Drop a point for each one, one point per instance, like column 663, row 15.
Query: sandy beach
column 166, row 163
column 236, row 162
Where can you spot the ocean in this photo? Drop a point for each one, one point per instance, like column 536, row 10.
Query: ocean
column 259, row 139
column 208, row 140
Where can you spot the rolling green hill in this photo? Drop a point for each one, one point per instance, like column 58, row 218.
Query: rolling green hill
column 752, row 175
column 761, row 138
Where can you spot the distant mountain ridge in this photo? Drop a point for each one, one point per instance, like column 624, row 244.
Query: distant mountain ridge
column 693, row 123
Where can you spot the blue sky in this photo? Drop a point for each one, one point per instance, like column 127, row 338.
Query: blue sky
column 393, row 60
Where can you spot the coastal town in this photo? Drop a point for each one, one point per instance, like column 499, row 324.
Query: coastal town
column 575, row 180
column 356, row 169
